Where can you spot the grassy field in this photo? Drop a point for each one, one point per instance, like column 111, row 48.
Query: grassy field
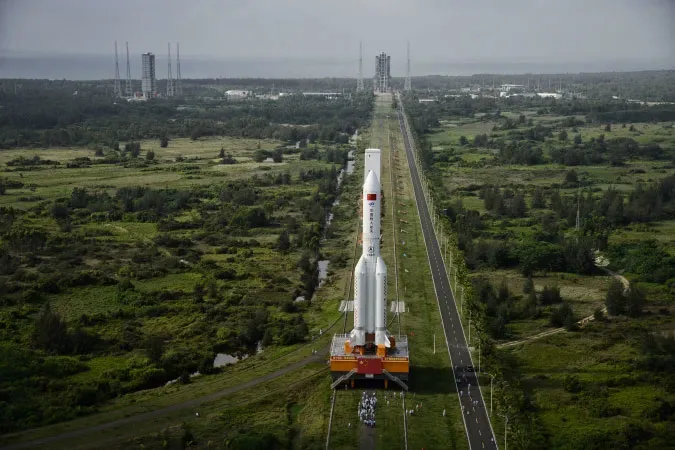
column 583, row 389
column 199, row 167
column 584, row 293
column 255, row 267
column 613, row 393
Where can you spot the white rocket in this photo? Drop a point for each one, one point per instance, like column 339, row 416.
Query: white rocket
column 370, row 274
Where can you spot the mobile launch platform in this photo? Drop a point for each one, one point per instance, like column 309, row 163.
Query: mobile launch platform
column 369, row 351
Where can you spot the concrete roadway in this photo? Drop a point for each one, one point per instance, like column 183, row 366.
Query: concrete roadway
column 476, row 422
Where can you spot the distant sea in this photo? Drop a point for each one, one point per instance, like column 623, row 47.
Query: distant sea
column 86, row 67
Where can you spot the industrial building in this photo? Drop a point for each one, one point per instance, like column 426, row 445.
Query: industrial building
column 369, row 351
column 382, row 72
column 148, row 80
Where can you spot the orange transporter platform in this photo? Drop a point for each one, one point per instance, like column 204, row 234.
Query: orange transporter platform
column 348, row 366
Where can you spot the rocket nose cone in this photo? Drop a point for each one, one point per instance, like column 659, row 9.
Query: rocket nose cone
column 372, row 184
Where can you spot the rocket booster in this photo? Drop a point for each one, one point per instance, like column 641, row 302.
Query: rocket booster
column 370, row 273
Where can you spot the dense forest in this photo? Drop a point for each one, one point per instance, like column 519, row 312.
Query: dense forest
column 200, row 261
column 546, row 191
column 57, row 116
column 657, row 85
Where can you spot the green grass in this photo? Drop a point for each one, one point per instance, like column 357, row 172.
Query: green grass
column 590, row 354
column 180, row 323
column 85, row 300
column 595, row 359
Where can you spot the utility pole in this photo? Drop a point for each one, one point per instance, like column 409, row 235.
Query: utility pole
column 506, row 422
column 492, row 377
column 478, row 354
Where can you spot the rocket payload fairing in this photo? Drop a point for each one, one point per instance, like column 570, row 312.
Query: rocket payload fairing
column 370, row 275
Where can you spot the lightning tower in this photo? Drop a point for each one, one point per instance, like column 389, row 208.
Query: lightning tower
column 118, row 90
column 359, row 82
column 179, row 80
column 169, row 78
column 408, row 85
column 129, row 91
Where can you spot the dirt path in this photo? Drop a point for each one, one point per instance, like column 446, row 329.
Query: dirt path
column 581, row 323
column 44, row 442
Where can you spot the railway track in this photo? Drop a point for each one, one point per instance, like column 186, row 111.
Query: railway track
column 340, row 397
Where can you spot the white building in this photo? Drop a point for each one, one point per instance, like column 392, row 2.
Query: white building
column 322, row 94
column 148, row 83
column 237, row 93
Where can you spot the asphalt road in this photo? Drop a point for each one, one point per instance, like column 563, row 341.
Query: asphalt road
column 476, row 422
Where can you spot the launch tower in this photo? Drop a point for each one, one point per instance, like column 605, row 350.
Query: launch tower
column 369, row 351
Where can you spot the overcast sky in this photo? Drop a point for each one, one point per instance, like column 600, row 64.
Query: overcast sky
column 453, row 30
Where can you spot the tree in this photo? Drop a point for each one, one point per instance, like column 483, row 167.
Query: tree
column 134, row 148
column 284, row 242
column 577, row 139
column 3, row 187
column 571, row 178
column 150, row 155
column 631, row 128
column 463, row 141
column 503, row 292
column 550, row 295
column 164, row 142
column 154, row 349
column 60, row 211
column 538, row 200
column 635, row 301
column 608, row 128
column 260, row 155
column 563, row 316
column 615, row 300
column 563, row 136
column 598, row 315
column 51, row 331
column 528, row 286
column 278, row 155
column 222, row 152
column 198, row 292
column 228, row 159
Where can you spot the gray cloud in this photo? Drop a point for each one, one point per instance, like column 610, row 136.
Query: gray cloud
column 439, row 30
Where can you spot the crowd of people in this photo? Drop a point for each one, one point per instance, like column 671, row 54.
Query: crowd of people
column 367, row 409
